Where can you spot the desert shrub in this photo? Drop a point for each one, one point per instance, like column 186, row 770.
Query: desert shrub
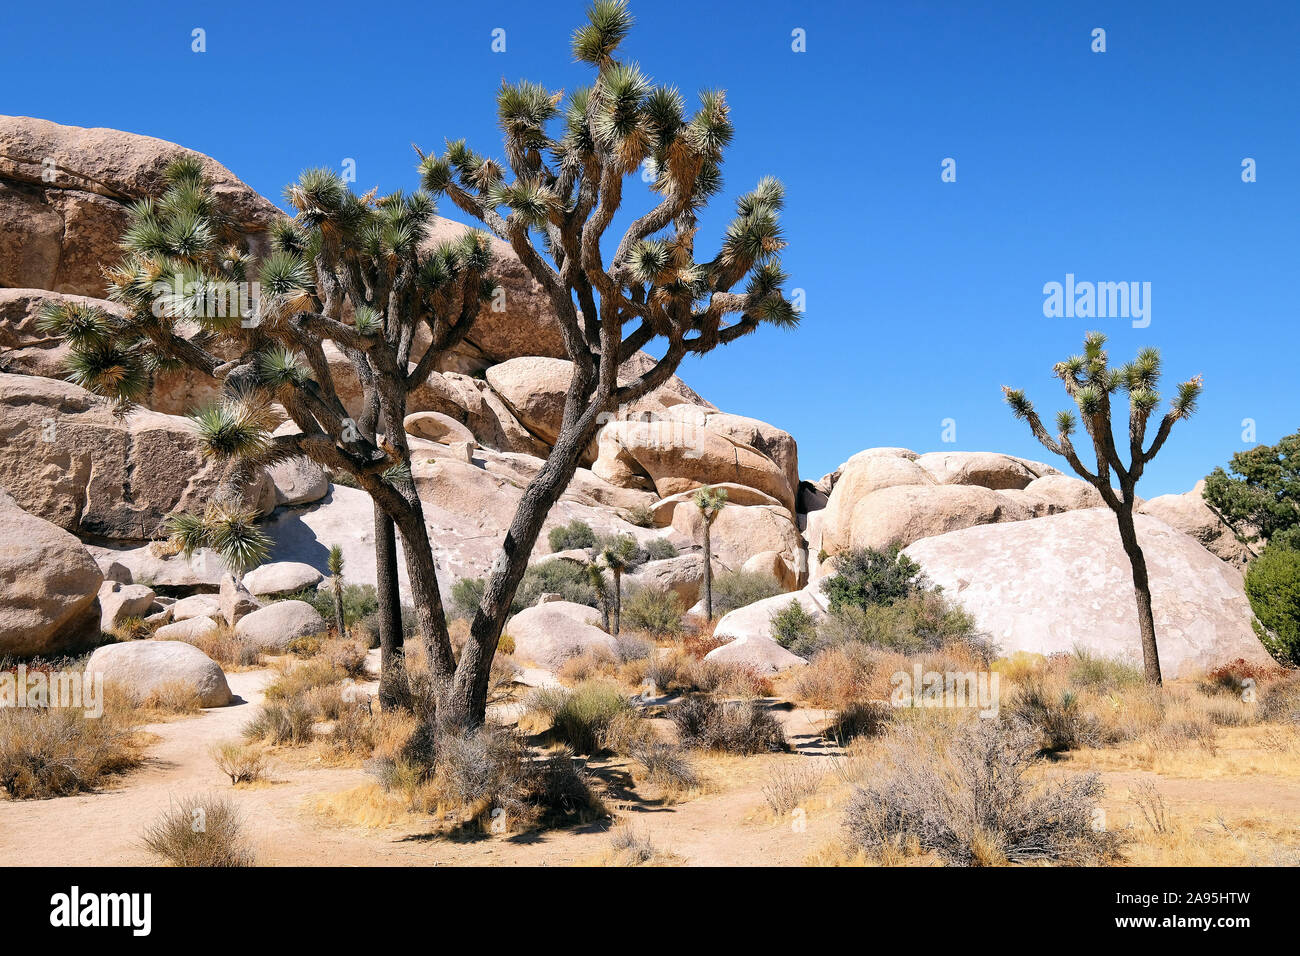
column 1273, row 586
column 174, row 697
column 665, row 764
column 736, row 727
column 1102, row 674
column 286, row 721
column 630, row 647
column 656, row 611
column 296, row 679
column 793, row 626
column 866, row 577
column 660, row 549
column 592, row 663
column 487, row 777
column 733, row 589
column 565, row 578
column 916, row 623
column 790, row 784
column 348, row 657
column 242, row 763
column 359, row 602
column 630, row 848
column 868, row 718
column 726, row 679
column 967, row 799
column 55, row 751
column 226, row 647
column 200, row 831
column 466, row 594
column 355, row 729
column 1054, row 713
column 584, row 717
column 640, row 515
column 839, row 677
column 1235, row 678
column 568, row 537
column 1279, row 699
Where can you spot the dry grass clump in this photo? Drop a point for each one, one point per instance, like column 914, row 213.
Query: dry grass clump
column 680, row 672
column 242, row 763
column 868, row 718
column 790, row 784
column 584, row 716
column 52, row 752
column 735, row 727
column 168, row 700
column 200, row 831
column 592, row 664
column 629, row 847
column 226, row 647
column 289, row 721
column 967, row 798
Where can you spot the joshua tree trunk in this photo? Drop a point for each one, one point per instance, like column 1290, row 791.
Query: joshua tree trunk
column 338, row 607
column 394, row 689
column 1142, row 591
column 618, row 599
column 708, row 574
column 466, row 704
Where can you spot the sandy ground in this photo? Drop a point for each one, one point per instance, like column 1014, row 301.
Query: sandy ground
column 730, row 823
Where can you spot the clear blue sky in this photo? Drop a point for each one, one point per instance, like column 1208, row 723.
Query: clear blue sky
column 923, row 297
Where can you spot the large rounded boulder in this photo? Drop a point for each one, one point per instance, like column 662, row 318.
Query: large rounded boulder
column 49, row 586
column 273, row 627
column 142, row 667
column 551, row 633
column 1063, row 581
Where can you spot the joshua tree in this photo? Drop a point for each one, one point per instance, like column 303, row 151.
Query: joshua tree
column 1090, row 381
column 710, row 501
column 614, row 558
column 596, row 578
column 184, row 284
column 553, row 203
column 564, row 189
column 335, row 566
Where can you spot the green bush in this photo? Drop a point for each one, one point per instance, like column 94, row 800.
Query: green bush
column 657, row 549
column 584, row 716
column 575, row 534
column 562, row 577
column 865, row 577
column 735, row 727
column 922, row 621
column 656, row 611
column 359, row 602
column 640, row 515
column 1273, row 586
column 734, row 589
column 793, row 625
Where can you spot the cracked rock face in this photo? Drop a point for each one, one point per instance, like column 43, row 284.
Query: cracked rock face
column 65, row 458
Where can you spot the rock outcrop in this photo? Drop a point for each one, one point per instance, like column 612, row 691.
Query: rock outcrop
column 1054, row 583
column 49, row 586
column 1190, row 514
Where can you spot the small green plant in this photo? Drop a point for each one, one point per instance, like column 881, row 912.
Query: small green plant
column 574, row 535
column 660, row 549
column 867, row 577
column 585, row 715
column 734, row 589
column 793, row 625
column 640, row 515
column 656, row 611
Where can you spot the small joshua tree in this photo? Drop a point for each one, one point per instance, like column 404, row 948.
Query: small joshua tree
column 1090, row 381
column 615, row 559
column 710, row 501
column 596, row 578
column 335, row 565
